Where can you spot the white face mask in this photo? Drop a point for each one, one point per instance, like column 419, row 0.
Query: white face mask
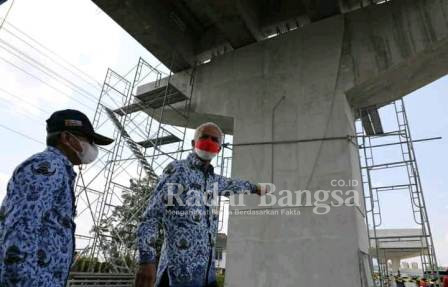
column 205, row 155
column 89, row 152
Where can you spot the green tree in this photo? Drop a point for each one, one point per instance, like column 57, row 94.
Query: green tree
column 118, row 232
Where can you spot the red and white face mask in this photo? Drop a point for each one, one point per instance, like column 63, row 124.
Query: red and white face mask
column 206, row 149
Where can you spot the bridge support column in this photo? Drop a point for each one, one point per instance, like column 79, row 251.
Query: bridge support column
column 395, row 264
column 285, row 90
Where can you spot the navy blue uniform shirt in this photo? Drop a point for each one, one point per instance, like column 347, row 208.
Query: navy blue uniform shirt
column 189, row 230
column 36, row 222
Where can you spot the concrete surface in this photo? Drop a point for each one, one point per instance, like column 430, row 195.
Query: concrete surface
column 246, row 85
column 304, row 84
column 281, row 250
column 181, row 33
column 387, row 51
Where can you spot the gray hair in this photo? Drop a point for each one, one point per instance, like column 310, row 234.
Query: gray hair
column 199, row 129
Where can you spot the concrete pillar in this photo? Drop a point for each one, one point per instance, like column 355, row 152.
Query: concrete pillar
column 281, row 90
column 395, row 265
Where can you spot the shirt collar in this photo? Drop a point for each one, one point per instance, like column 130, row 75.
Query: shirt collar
column 61, row 155
column 196, row 162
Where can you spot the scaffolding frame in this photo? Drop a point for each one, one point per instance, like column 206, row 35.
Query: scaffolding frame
column 369, row 146
column 143, row 145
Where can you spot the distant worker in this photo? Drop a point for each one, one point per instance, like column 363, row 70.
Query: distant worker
column 423, row 282
column 399, row 282
column 37, row 240
column 445, row 279
column 187, row 256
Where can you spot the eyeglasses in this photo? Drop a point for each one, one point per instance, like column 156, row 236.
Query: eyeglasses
column 206, row 136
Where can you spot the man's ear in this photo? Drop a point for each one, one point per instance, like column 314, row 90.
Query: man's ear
column 64, row 138
column 68, row 140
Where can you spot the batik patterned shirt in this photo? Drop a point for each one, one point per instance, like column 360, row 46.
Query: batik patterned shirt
column 36, row 222
column 189, row 225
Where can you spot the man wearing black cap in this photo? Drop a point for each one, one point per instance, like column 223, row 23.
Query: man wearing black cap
column 36, row 217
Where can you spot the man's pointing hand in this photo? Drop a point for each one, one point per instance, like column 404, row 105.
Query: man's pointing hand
column 262, row 189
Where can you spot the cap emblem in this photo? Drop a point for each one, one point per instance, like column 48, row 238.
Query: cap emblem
column 73, row 123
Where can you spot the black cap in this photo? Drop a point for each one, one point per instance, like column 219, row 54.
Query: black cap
column 77, row 122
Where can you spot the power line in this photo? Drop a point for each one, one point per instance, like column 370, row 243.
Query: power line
column 44, row 69
column 34, row 118
column 21, row 134
column 98, row 84
column 7, row 103
column 6, row 15
column 45, row 83
column 23, row 100
column 80, row 72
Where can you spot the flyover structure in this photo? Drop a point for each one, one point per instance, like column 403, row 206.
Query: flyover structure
column 287, row 79
column 396, row 245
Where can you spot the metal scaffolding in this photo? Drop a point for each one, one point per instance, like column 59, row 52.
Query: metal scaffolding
column 144, row 144
column 136, row 112
column 387, row 155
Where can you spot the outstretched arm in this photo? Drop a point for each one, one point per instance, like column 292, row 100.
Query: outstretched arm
column 228, row 186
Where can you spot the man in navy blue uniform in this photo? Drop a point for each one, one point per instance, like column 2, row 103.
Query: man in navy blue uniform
column 37, row 240
column 179, row 204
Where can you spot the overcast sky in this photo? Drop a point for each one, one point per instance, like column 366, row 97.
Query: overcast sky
column 83, row 35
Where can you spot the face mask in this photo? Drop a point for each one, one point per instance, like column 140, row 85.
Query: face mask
column 206, row 149
column 89, row 152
